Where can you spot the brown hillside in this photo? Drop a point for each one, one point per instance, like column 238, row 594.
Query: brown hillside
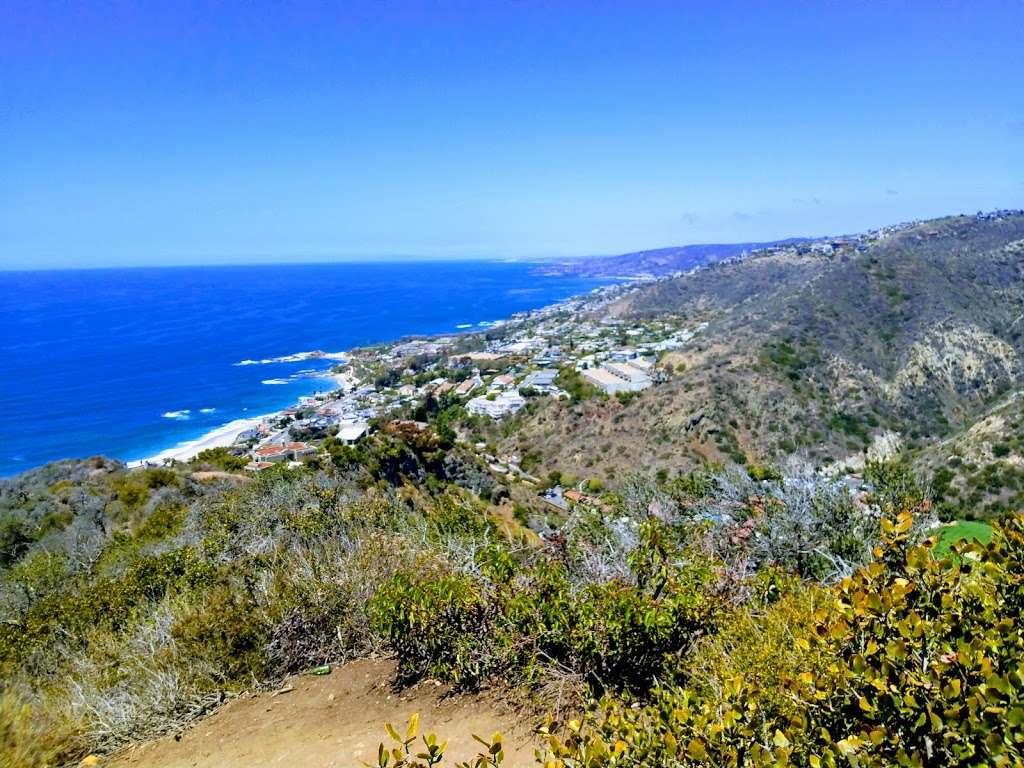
column 892, row 338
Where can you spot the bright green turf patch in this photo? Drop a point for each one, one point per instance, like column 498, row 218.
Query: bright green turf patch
column 961, row 529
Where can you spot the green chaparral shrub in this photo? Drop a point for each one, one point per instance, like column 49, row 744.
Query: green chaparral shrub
column 622, row 637
column 438, row 624
column 624, row 633
column 514, row 620
column 914, row 661
column 226, row 627
column 896, row 487
column 110, row 603
column 932, row 656
column 756, row 645
column 222, row 458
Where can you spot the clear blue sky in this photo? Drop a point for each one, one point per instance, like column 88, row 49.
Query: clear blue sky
column 185, row 132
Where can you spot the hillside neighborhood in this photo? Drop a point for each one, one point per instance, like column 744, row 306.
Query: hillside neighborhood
column 492, row 374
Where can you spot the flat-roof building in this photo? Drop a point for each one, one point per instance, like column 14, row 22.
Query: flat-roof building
column 502, row 405
column 543, row 378
column 617, row 377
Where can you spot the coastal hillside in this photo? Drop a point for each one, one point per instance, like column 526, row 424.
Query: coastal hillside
column 657, row 262
column 888, row 341
column 690, row 620
column 318, row 455
column 685, row 522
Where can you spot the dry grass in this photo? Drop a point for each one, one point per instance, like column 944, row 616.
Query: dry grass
column 29, row 738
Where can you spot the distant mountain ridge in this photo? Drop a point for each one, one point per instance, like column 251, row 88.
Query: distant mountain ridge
column 658, row 262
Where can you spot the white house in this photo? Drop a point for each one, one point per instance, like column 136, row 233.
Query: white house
column 617, row 377
column 502, row 405
column 351, row 432
column 468, row 385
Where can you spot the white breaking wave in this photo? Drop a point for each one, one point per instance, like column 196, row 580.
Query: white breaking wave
column 298, row 357
column 181, row 415
column 275, row 381
column 207, row 410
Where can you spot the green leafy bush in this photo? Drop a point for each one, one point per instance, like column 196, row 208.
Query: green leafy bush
column 222, row 458
column 931, row 653
column 620, row 634
column 109, row 602
column 914, row 661
column 228, row 629
column 579, row 389
column 439, row 625
column 404, row 753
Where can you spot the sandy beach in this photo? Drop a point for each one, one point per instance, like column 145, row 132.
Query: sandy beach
column 225, row 435
column 222, row 436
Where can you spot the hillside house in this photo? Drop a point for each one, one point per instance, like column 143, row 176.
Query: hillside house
column 502, row 381
column 351, row 433
column 618, row 377
column 502, row 405
column 274, row 452
column 469, row 385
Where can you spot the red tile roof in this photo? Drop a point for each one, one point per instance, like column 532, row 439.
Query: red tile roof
column 271, row 450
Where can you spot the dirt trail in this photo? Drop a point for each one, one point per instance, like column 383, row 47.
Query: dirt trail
column 335, row 721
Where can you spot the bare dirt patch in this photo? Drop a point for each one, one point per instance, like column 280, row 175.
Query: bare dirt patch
column 335, row 721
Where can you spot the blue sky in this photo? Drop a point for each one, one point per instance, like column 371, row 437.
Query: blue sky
column 180, row 132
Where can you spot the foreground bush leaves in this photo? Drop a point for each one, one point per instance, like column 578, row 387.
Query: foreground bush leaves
column 913, row 661
column 618, row 635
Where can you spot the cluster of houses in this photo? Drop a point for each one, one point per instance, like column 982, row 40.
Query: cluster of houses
column 492, row 374
column 280, row 448
column 861, row 242
column 289, row 436
column 500, row 373
column 592, row 348
column 999, row 214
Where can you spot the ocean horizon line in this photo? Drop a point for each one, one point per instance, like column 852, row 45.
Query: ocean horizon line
column 309, row 262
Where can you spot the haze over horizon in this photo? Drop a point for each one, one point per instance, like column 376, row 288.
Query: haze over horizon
column 163, row 134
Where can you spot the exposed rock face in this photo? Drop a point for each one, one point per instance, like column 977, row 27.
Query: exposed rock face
column 962, row 360
column 884, row 446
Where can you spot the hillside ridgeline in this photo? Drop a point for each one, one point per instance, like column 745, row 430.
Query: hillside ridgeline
column 865, row 348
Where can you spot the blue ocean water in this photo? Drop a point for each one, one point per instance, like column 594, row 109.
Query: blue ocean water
column 128, row 362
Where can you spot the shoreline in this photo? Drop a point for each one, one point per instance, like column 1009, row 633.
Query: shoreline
column 220, row 437
column 225, row 435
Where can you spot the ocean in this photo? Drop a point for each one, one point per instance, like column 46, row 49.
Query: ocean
column 129, row 362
